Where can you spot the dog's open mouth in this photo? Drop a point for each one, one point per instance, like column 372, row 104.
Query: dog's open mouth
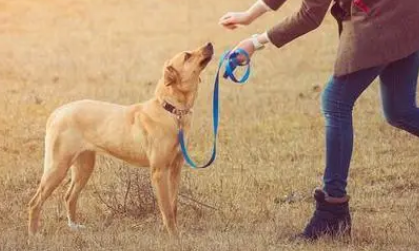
column 205, row 61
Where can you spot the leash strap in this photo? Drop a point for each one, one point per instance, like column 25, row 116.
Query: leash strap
column 230, row 67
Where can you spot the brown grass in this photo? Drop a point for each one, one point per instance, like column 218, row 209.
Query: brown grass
column 271, row 140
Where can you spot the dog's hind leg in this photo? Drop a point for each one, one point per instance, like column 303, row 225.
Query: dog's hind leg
column 54, row 173
column 80, row 174
column 58, row 159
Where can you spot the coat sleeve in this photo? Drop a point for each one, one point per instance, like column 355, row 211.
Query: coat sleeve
column 274, row 4
column 307, row 18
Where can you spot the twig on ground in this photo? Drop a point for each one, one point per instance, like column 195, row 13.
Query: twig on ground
column 198, row 202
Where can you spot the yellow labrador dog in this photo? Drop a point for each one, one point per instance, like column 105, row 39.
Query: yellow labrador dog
column 143, row 134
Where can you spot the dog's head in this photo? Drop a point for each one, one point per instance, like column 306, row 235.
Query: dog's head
column 183, row 70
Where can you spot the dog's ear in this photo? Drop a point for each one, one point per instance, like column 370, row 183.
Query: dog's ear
column 171, row 75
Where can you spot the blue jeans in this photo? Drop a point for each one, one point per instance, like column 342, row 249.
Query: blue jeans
column 398, row 81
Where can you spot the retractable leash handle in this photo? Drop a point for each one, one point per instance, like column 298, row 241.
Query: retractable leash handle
column 230, row 66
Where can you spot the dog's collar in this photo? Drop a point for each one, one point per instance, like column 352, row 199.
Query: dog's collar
column 172, row 109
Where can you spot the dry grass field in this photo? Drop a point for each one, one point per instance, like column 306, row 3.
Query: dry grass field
column 271, row 141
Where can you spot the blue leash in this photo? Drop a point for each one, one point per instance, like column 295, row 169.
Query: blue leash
column 231, row 65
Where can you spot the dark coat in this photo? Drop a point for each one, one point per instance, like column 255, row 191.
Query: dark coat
column 374, row 32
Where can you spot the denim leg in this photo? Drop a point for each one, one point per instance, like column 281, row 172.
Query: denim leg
column 398, row 92
column 338, row 100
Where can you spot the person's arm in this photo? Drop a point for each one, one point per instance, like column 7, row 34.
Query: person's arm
column 308, row 18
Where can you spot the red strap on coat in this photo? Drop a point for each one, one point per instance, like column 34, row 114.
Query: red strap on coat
column 360, row 4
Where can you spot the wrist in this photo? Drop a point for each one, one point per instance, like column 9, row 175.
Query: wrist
column 256, row 10
column 250, row 15
column 259, row 41
column 257, row 45
column 263, row 38
column 263, row 5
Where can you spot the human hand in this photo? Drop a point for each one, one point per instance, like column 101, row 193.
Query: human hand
column 250, row 45
column 247, row 46
column 232, row 20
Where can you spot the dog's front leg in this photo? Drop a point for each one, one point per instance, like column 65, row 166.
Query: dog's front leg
column 160, row 177
column 174, row 181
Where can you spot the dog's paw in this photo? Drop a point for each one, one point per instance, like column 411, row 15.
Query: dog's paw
column 75, row 227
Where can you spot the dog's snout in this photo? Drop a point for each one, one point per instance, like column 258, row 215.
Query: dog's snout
column 206, row 53
column 209, row 48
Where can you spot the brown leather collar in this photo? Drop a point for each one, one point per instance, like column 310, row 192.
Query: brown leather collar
column 172, row 109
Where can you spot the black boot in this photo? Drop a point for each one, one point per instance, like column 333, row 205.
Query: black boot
column 331, row 217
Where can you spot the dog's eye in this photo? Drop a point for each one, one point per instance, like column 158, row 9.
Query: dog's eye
column 187, row 56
